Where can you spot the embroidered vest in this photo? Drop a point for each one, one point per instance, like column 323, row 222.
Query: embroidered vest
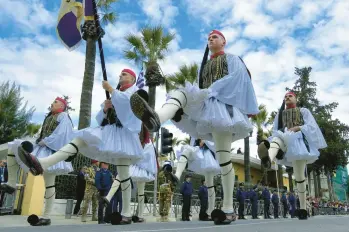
column 292, row 117
column 215, row 69
column 49, row 125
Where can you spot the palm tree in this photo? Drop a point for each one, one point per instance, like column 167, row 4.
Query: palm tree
column 91, row 33
column 261, row 121
column 149, row 48
column 185, row 73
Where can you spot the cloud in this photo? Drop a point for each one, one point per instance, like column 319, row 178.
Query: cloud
column 159, row 11
column 207, row 12
column 30, row 15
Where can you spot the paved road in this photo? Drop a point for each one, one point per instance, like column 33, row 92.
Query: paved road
column 316, row 224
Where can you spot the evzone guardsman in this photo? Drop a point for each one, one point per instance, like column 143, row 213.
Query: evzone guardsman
column 295, row 142
column 216, row 108
column 115, row 141
column 141, row 172
column 199, row 157
column 55, row 132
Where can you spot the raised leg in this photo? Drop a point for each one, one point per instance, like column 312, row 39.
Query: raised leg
column 268, row 151
column 299, row 174
column 38, row 166
column 211, row 192
column 50, row 193
column 115, row 186
column 183, row 161
column 223, row 147
column 12, row 168
column 153, row 119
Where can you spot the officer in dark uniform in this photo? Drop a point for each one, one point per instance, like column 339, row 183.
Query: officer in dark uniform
column 186, row 191
column 203, row 197
column 284, row 202
column 292, row 201
column 103, row 180
column 266, row 199
column 240, row 197
column 254, row 201
column 275, row 201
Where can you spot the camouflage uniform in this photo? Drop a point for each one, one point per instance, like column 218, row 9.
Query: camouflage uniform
column 166, row 190
column 91, row 193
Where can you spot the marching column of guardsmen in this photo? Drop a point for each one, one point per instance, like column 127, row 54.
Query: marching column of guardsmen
column 122, row 139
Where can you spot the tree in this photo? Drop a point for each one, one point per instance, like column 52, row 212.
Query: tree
column 262, row 122
column 335, row 132
column 14, row 115
column 32, row 129
column 91, row 33
column 149, row 48
column 185, row 73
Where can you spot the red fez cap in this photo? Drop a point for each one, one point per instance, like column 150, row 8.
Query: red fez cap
column 292, row 93
column 129, row 71
column 62, row 100
column 94, row 161
column 217, row 33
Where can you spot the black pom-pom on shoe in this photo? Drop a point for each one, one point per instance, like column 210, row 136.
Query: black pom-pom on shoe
column 115, row 218
column 27, row 146
column 33, row 219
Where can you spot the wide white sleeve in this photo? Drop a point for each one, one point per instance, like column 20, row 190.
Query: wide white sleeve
column 100, row 115
column 275, row 123
column 61, row 135
column 236, row 88
column 311, row 130
column 121, row 103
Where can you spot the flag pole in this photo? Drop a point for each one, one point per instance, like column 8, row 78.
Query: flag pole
column 100, row 44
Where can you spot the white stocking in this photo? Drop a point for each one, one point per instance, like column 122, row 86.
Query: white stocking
column 50, row 193
column 115, row 186
column 140, row 190
column 274, row 147
column 299, row 174
column 182, row 162
column 223, row 142
column 171, row 106
column 63, row 154
column 211, row 193
column 124, row 174
column 12, row 168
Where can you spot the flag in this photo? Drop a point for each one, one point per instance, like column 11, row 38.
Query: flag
column 69, row 20
column 88, row 10
column 140, row 80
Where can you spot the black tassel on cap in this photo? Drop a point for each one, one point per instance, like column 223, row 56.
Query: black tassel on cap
column 280, row 124
column 204, row 61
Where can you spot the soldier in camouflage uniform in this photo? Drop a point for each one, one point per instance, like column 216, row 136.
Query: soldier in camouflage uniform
column 91, row 192
column 166, row 182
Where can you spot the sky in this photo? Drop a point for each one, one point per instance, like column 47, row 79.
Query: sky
column 273, row 37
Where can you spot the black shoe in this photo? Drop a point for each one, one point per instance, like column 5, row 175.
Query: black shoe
column 144, row 112
column 7, row 188
column 263, row 154
column 102, row 222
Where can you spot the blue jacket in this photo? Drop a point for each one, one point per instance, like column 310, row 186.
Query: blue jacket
column 203, row 193
column 275, row 198
column 292, row 200
column 187, row 188
column 241, row 195
column 103, row 180
column 284, row 199
column 253, row 196
column 266, row 194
